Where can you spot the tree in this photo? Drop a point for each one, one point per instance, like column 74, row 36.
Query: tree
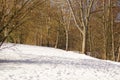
column 85, row 8
column 66, row 18
column 14, row 13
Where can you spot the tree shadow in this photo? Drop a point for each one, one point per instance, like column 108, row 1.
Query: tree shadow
column 78, row 63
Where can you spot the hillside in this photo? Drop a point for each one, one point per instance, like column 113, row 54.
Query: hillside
column 27, row 62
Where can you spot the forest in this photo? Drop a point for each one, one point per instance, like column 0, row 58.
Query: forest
column 91, row 27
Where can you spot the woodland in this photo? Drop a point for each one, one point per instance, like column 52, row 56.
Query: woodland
column 91, row 27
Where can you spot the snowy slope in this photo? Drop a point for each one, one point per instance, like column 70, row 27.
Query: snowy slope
column 25, row 62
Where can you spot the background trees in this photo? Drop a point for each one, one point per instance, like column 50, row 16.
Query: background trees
column 14, row 13
column 88, row 26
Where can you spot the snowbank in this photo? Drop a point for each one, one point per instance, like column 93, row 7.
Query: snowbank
column 27, row 62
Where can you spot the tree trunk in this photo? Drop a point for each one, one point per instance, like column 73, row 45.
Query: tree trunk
column 57, row 39
column 6, row 34
column 118, row 54
column 67, row 39
column 41, row 37
column 113, row 44
column 118, row 50
column 84, row 42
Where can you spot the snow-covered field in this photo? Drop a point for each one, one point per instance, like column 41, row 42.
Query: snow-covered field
column 25, row 62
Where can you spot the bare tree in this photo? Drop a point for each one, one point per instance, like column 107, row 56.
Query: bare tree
column 14, row 14
column 108, row 21
column 66, row 18
column 85, row 8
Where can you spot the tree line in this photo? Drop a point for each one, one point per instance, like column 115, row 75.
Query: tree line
column 89, row 26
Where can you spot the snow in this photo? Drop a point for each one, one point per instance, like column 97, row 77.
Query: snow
column 27, row 62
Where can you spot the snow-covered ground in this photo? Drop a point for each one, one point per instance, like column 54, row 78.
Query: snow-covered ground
column 25, row 62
